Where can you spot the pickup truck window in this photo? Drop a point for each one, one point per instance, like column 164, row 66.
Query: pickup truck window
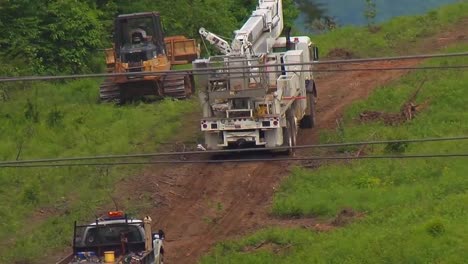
column 112, row 234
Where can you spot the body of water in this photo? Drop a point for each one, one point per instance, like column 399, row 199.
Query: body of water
column 351, row 12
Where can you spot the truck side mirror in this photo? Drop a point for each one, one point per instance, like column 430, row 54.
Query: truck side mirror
column 316, row 53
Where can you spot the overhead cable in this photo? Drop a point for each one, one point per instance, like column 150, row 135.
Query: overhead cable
column 207, row 71
column 163, row 154
column 207, row 161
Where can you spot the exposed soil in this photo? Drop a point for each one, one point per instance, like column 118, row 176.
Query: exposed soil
column 346, row 216
column 199, row 205
column 340, row 53
column 408, row 112
column 268, row 246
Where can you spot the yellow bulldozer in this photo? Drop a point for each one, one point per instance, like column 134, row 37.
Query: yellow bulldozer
column 140, row 46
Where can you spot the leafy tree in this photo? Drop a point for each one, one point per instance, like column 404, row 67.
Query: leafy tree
column 51, row 36
column 186, row 17
column 62, row 36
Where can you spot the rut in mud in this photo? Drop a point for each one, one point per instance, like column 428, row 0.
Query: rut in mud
column 200, row 204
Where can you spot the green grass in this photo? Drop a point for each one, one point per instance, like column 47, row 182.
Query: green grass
column 415, row 211
column 47, row 120
column 182, row 66
column 394, row 36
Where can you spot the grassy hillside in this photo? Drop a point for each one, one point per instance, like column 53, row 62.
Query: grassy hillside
column 394, row 36
column 411, row 211
column 62, row 120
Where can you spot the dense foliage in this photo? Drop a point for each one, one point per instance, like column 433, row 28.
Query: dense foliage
column 49, row 36
column 63, row 36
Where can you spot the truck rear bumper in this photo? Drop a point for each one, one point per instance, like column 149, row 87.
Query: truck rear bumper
column 222, row 139
column 241, row 138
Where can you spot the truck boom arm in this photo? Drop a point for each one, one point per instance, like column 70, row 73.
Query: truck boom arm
column 258, row 33
column 215, row 40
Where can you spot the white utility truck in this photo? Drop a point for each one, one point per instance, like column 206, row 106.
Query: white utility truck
column 262, row 88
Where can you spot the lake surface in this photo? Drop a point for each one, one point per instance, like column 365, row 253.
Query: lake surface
column 351, row 12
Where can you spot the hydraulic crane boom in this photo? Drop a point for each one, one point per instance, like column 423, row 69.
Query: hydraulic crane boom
column 257, row 35
column 215, row 40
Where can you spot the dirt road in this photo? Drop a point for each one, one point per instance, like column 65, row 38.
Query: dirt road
column 199, row 205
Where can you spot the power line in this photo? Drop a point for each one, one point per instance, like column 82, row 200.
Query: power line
column 207, row 71
column 184, row 72
column 163, row 154
column 409, row 57
column 395, row 68
column 415, row 156
column 230, row 76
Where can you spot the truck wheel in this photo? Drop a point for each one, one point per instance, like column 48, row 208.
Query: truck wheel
column 289, row 133
column 308, row 121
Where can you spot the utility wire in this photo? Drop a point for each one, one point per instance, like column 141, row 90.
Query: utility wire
column 409, row 57
column 394, row 68
column 236, row 75
column 163, row 154
column 415, row 156
column 253, row 75
column 205, row 71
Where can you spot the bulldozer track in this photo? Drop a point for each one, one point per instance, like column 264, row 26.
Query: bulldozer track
column 109, row 91
column 177, row 86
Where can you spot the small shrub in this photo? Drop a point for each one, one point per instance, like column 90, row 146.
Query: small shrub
column 30, row 195
column 54, row 118
column 396, row 147
column 30, row 112
column 4, row 95
column 367, row 182
column 435, row 228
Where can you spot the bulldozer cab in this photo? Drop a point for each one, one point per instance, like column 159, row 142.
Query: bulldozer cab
column 139, row 37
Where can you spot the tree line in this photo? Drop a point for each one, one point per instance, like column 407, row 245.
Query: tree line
column 65, row 36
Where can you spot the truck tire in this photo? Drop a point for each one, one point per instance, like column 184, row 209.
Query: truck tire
column 308, row 121
column 289, row 134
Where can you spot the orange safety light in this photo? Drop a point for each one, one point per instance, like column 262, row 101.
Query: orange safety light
column 114, row 214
